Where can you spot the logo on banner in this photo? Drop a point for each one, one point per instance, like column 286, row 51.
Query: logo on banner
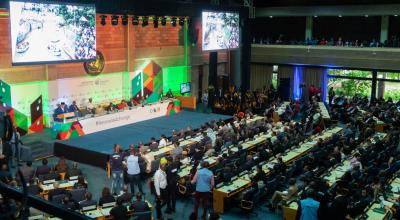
column 95, row 67
column 153, row 110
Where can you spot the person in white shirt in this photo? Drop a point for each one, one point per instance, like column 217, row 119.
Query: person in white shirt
column 148, row 158
column 160, row 185
column 90, row 106
column 132, row 163
column 163, row 141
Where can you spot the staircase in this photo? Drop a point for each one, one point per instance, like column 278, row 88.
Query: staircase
column 36, row 146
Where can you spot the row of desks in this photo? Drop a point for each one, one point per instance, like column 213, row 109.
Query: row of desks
column 242, row 182
column 332, row 176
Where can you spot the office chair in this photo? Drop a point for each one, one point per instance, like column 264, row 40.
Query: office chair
column 142, row 215
column 78, row 194
column 58, row 198
column 248, row 206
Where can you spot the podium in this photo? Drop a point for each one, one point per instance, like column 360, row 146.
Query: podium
column 66, row 115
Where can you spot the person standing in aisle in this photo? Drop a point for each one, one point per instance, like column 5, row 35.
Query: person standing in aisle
column 204, row 180
column 132, row 163
column 116, row 170
column 160, row 189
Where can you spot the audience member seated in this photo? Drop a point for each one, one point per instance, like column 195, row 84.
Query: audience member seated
column 279, row 196
column 153, row 144
column 43, row 169
column 61, row 166
column 119, row 211
column 74, row 171
column 81, row 184
column 163, row 141
column 56, row 191
column 106, row 197
column 88, row 201
column 68, row 203
column 126, row 196
column 139, row 205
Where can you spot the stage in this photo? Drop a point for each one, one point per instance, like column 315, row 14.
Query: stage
column 95, row 148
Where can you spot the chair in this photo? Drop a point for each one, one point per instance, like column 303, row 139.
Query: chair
column 248, row 206
column 143, row 215
column 155, row 164
column 58, row 198
column 78, row 194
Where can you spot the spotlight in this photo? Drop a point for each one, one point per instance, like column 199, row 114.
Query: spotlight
column 135, row 20
column 103, row 19
column 155, row 21
column 181, row 21
column 173, row 22
column 164, row 21
column 124, row 20
column 340, row 16
column 114, row 19
column 145, row 21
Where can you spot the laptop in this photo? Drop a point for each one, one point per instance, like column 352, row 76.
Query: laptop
column 89, row 208
column 46, row 182
column 109, row 204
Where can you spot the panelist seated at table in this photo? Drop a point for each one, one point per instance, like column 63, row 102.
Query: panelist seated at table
column 111, row 107
column 133, row 103
column 74, row 108
column 90, row 107
column 122, row 105
column 61, row 109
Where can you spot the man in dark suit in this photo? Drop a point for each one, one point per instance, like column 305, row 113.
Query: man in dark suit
column 88, row 200
column 56, row 191
column 74, row 171
column 74, row 108
column 205, row 140
column 260, row 175
column 44, row 169
column 126, row 196
column 138, row 205
column 119, row 211
column 27, row 172
column 61, row 109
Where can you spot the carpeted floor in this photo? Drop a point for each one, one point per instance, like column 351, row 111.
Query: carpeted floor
column 142, row 131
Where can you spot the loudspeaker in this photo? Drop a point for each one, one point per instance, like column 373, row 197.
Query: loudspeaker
column 212, row 76
column 284, row 88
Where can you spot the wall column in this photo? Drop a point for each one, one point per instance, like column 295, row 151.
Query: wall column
column 309, row 28
column 384, row 28
column 373, row 87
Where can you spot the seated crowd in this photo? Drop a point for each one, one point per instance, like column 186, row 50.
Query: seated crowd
column 339, row 42
column 373, row 161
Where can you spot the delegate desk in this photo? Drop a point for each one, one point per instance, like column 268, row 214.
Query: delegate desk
column 65, row 184
column 120, row 118
column 324, row 111
column 379, row 126
column 104, row 213
column 241, row 183
column 332, row 176
column 375, row 211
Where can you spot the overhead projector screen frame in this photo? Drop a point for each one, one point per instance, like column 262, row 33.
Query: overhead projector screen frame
column 43, row 62
column 203, row 25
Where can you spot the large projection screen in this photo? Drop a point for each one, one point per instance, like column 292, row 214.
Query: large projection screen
column 52, row 32
column 220, row 30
